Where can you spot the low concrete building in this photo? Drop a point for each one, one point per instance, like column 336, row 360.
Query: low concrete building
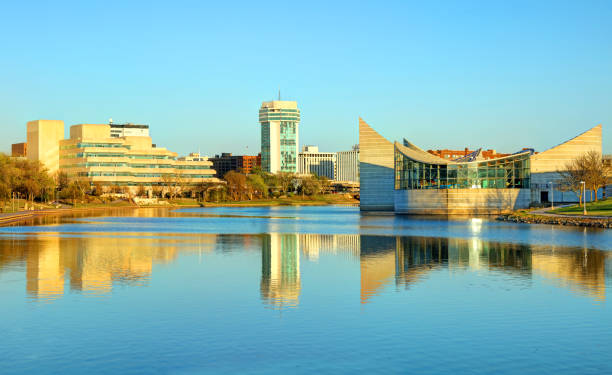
column 406, row 179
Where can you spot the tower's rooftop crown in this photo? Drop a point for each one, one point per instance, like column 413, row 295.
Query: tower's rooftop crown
column 279, row 104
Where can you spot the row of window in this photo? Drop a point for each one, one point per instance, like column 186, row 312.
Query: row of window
column 99, row 145
column 145, row 175
column 150, row 166
column 114, row 155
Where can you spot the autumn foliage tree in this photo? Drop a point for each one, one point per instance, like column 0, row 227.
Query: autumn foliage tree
column 28, row 178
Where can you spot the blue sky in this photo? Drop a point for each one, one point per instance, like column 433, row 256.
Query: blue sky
column 499, row 75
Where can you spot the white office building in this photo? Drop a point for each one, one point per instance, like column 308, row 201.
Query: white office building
column 347, row 165
column 311, row 161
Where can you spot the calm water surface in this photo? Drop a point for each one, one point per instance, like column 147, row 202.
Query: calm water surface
column 302, row 290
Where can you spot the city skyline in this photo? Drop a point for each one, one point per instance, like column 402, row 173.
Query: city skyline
column 463, row 69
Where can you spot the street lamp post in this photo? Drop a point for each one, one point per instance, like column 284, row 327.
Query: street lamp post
column 552, row 196
column 584, row 211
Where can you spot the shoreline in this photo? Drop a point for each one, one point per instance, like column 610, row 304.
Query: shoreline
column 16, row 217
column 564, row 220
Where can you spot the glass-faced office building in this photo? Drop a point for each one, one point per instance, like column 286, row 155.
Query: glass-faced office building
column 279, row 136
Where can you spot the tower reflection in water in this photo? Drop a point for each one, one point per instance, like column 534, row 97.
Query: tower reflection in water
column 280, row 269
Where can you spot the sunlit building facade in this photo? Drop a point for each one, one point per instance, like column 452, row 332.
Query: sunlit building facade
column 91, row 154
column 94, row 155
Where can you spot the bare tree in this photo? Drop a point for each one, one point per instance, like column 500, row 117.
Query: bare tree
column 588, row 168
column 170, row 181
column 141, row 191
column 285, row 181
column 596, row 171
column 571, row 175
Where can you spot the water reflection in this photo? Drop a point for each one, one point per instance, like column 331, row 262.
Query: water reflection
column 280, row 269
column 91, row 264
column 407, row 260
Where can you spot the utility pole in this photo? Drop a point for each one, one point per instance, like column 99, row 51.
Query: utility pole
column 552, row 196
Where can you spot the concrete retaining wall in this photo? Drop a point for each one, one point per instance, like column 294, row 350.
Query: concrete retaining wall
column 460, row 201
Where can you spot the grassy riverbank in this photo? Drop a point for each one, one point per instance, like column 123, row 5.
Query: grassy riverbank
column 317, row 200
column 600, row 208
column 599, row 214
column 41, row 209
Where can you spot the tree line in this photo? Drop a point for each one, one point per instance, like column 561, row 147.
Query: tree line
column 261, row 185
column 30, row 180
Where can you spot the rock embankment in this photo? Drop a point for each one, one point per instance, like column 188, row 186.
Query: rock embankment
column 557, row 220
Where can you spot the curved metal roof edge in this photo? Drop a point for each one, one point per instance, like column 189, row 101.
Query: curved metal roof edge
column 419, row 155
column 426, row 157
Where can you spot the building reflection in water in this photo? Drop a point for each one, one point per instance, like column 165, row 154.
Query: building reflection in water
column 94, row 264
column 280, row 270
column 407, row 260
column 91, row 265
column 280, row 262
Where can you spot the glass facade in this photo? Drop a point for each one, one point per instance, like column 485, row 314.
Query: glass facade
column 288, row 146
column 509, row 172
column 265, row 146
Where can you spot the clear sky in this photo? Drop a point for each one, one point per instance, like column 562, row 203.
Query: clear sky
column 451, row 74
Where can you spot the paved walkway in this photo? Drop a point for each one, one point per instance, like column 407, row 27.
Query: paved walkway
column 542, row 212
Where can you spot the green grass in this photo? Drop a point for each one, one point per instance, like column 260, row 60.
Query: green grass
column 600, row 208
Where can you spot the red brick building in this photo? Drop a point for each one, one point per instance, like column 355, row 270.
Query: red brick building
column 19, row 150
column 241, row 163
column 455, row 154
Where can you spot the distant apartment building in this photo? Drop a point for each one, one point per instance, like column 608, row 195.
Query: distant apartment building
column 457, row 154
column 347, row 165
column 19, row 150
column 311, row 161
column 241, row 163
column 92, row 154
column 279, row 136
column 128, row 130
